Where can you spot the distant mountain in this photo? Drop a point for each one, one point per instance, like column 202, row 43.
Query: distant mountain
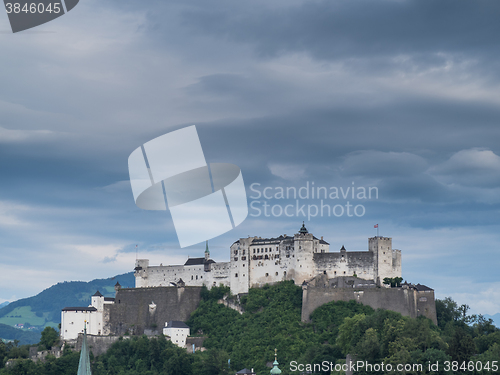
column 496, row 318
column 4, row 304
column 44, row 309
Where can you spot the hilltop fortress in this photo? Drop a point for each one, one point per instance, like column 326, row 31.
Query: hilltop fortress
column 172, row 292
column 256, row 261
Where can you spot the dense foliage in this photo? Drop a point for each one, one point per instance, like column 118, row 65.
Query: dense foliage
column 271, row 319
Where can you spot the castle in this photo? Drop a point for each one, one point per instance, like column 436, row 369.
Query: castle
column 172, row 293
column 256, row 261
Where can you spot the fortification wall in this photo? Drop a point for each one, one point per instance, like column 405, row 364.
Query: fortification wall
column 97, row 344
column 137, row 309
column 195, row 275
column 400, row 300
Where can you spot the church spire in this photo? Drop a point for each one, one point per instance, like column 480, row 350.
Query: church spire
column 207, row 252
column 275, row 370
column 84, row 365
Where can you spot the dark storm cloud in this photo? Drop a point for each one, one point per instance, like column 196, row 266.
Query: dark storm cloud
column 400, row 95
column 337, row 29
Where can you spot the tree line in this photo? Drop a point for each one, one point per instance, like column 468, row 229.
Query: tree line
column 272, row 319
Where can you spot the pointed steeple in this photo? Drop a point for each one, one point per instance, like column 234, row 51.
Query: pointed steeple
column 84, row 365
column 207, row 252
column 275, row 369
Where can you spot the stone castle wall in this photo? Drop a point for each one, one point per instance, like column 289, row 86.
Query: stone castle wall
column 408, row 302
column 138, row 309
column 195, row 275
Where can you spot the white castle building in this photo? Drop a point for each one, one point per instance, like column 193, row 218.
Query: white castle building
column 256, row 261
column 74, row 319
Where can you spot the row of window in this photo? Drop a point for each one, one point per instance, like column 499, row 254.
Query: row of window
column 264, row 250
column 267, row 274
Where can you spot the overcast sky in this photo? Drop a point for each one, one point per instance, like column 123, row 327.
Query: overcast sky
column 399, row 95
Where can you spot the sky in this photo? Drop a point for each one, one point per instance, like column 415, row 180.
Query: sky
column 401, row 96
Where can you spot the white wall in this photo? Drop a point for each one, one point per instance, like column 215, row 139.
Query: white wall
column 177, row 335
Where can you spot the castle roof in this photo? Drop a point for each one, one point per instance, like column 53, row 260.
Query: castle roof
column 257, row 241
column 91, row 308
column 197, row 261
column 303, row 229
column 109, row 299
column 97, row 294
column 176, row 324
column 422, row 288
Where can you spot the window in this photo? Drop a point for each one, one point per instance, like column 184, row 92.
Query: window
column 276, row 273
column 196, row 277
column 324, row 272
column 235, row 275
column 254, row 251
column 192, row 277
column 284, row 273
column 267, row 274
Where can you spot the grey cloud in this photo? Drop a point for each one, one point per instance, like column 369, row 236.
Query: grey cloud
column 333, row 29
column 382, row 164
column 474, row 167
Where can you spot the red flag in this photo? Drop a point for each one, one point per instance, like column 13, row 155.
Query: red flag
column 375, row 226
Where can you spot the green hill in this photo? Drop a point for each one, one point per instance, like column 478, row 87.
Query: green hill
column 272, row 320
column 44, row 309
column 24, row 337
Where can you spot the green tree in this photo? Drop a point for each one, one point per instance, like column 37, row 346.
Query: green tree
column 49, row 337
column 461, row 346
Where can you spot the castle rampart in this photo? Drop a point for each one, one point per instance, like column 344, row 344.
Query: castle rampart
column 409, row 300
column 138, row 309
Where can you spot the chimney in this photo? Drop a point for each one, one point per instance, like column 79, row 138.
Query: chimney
column 321, row 238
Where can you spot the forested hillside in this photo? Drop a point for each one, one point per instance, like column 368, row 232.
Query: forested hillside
column 272, row 320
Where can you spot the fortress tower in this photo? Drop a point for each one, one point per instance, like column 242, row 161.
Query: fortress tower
column 387, row 261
